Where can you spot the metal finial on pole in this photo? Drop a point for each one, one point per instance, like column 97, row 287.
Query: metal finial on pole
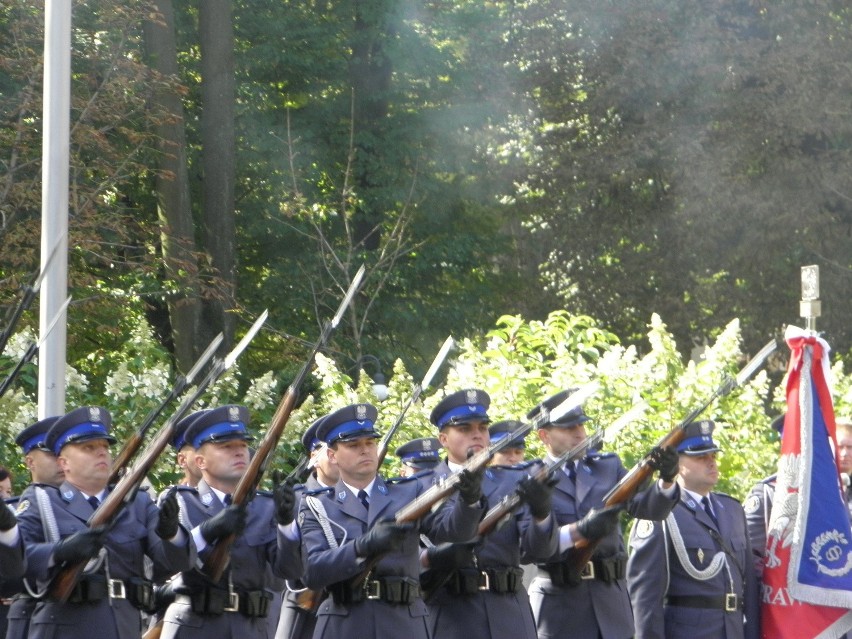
column 809, row 306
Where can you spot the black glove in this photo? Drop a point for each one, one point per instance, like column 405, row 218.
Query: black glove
column 167, row 525
column 230, row 521
column 664, row 461
column 7, row 518
column 599, row 523
column 449, row 557
column 81, row 546
column 470, row 485
column 285, row 500
column 165, row 595
column 537, row 495
column 384, row 536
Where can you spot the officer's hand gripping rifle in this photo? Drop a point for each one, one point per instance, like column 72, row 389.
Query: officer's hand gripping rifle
column 217, row 560
column 418, row 390
column 125, row 490
column 633, row 481
column 128, row 450
column 511, row 502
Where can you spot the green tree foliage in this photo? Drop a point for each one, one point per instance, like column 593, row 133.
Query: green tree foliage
column 689, row 158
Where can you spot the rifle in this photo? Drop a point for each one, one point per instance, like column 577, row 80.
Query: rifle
column 33, row 349
column 28, row 297
column 128, row 450
column 637, row 476
column 217, row 560
column 418, row 389
column 511, row 502
column 125, row 490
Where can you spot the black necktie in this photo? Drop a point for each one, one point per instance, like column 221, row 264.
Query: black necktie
column 362, row 496
column 705, row 501
column 227, row 499
column 571, row 470
column 94, row 501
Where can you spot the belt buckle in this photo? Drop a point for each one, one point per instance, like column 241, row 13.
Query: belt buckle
column 731, row 602
column 116, row 590
column 588, row 571
column 233, row 602
column 373, row 589
column 484, row 581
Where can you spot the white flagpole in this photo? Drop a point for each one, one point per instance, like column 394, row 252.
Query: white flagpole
column 54, row 204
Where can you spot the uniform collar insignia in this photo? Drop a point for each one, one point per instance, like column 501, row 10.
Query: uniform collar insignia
column 68, row 495
column 382, row 488
column 207, row 499
column 341, row 495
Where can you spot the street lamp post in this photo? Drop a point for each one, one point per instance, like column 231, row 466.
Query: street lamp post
column 380, row 388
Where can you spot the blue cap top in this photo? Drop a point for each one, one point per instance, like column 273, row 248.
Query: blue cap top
column 179, row 430
column 570, row 419
column 34, row 436
column 420, row 453
column 461, row 407
column 80, row 425
column 221, row 424
column 309, row 439
column 698, row 439
column 348, row 424
column 501, row 430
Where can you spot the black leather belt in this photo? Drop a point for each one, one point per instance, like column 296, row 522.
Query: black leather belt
column 394, row 590
column 606, row 569
column 216, row 601
column 93, row 588
column 729, row 602
column 470, row 581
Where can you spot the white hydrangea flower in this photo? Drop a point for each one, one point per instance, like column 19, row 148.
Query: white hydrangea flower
column 260, row 392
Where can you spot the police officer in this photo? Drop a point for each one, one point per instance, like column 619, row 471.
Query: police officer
column 184, row 452
column 418, row 455
column 758, row 508
column 44, row 472
column 298, row 612
column 692, row 576
column 352, row 547
column 238, row 605
column 482, row 596
column 108, row 597
column 512, row 454
column 591, row 600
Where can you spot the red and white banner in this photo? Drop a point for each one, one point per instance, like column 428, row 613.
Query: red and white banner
column 807, row 579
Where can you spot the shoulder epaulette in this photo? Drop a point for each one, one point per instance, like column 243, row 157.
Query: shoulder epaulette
column 402, row 480
column 319, row 491
column 769, row 480
column 264, row 493
column 181, row 488
column 12, row 501
column 597, row 456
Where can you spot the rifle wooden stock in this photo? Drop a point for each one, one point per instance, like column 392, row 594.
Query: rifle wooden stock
column 154, row 631
column 217, row 560
column 511, row 502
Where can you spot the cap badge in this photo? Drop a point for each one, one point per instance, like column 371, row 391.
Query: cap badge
column 361, row 412
column 94, row 414
column 470, row 396
column 705, row 427
column 233, row 414
column 427, row 445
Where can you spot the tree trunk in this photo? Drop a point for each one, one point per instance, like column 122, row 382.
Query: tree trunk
column 218, row 162
column 172, row 185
